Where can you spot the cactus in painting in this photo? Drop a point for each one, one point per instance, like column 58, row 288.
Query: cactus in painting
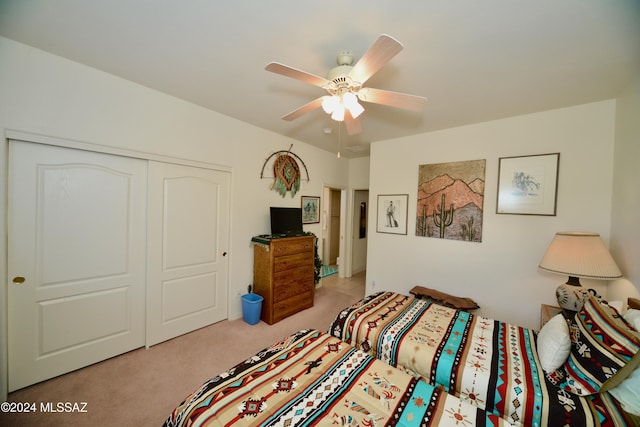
column 421, row 223
column 444, row 218
column 468, row 233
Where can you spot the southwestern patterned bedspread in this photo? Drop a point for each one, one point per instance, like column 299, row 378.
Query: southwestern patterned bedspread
column 488, row 363
column 312, row 378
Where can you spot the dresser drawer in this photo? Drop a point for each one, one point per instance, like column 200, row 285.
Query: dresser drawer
column 287, row 307
column 289, row 262
column 292, row 246
column 291, row 285
column 296, row 275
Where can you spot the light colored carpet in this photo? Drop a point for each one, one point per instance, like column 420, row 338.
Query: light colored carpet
column 140, row 388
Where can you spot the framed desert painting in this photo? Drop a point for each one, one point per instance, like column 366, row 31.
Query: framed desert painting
column 451, row 200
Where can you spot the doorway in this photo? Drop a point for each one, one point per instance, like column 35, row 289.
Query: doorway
column 331, row 227
column 360, row 231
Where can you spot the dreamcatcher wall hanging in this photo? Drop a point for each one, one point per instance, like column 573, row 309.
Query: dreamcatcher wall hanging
column 286, row 172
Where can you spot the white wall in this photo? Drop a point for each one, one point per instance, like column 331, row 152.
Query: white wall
column 625, row 231
column 359, row 173
column 48, row 95
column 500, row 273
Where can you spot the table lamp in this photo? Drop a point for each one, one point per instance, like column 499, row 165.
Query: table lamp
column 578, row 254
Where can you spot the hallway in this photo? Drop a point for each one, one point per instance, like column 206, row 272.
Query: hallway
column 354, row 285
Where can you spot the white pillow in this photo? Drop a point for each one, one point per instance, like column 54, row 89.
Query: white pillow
column 554, row 343
column 628, row 392
column 633, row 316
column 618, row 305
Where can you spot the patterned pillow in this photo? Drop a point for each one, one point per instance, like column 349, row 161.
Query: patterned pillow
column 602, row 344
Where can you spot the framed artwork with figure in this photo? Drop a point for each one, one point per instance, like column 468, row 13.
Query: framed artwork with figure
column 392, row 213
column 310, row 209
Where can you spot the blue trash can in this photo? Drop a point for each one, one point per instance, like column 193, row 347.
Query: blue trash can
column 251, row 308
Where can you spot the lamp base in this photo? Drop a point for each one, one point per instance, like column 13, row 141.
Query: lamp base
column 571, row 295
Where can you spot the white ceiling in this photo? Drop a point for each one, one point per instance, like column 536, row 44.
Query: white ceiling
column 475, row 60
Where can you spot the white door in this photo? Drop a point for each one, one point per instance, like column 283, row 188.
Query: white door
column 187, row 260
column 76, row 270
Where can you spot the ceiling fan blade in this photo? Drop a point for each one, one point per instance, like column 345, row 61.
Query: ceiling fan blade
column 316, row 103
column 352, row 125
column 381, row 52
column 287, row 71
column 392, row 99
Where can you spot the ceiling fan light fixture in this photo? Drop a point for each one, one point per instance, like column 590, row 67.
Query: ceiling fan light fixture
column 350, row 102
column 338, row 113
column 329, row 103
column 356, row 110
column 335, row 105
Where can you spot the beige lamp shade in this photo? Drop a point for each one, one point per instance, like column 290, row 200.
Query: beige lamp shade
column 578, row 254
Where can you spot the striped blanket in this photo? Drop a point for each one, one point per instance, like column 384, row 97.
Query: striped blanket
column 490, row 364
column 312, row 378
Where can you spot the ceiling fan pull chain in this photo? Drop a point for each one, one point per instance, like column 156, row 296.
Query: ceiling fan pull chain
column 339, row 137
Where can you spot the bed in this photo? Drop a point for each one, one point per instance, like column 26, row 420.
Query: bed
column 492, row 364
column 313, row 378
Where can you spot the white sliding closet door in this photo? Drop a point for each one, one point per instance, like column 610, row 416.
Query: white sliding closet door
column 188, row 238
column 76, row 259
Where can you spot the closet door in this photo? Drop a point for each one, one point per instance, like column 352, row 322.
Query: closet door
column 188, row 240
column 76, row 259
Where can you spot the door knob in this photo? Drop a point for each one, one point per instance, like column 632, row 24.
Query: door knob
column 224, row 254
column 18, row 280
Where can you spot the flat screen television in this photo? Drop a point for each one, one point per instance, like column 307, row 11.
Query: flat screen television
column 286, row 221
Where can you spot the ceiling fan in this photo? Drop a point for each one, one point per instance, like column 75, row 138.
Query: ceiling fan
column 344, row 85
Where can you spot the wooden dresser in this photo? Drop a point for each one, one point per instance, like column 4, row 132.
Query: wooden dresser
column 283, row 275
